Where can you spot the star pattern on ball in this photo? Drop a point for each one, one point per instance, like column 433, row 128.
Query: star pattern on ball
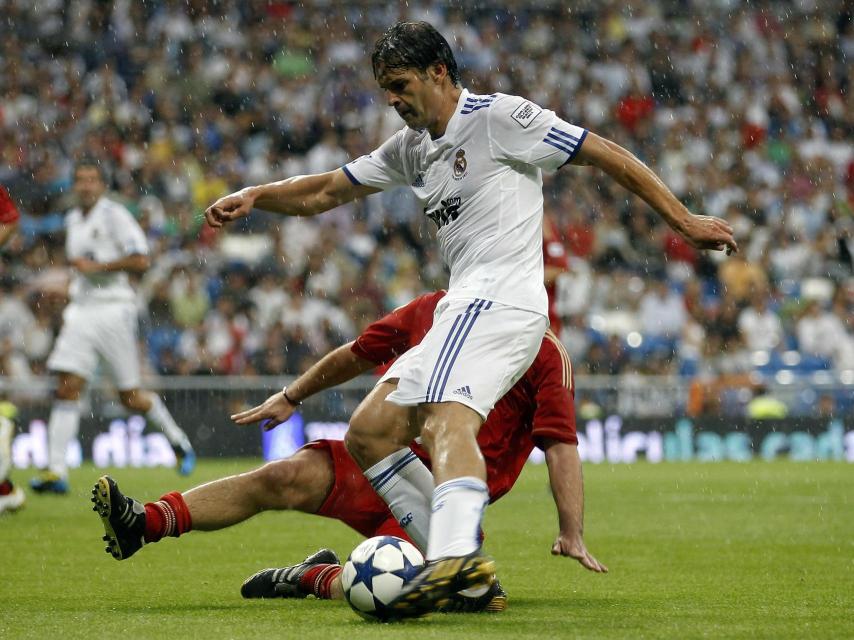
column 390, row 541
column 365, row 573
column 408, row 571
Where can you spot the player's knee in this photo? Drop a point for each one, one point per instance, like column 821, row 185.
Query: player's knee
column 433, row 431
column 283, row 485
column 360, row 424
column 134, row 400
column 361, row 437
column 429, row 433
column 357, row 445
column 269, row 486
column 442, row 431
column 372, row 435
column 67, row 394
column 68, row 388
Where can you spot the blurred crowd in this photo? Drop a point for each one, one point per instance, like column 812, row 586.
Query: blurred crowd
column 744, row 109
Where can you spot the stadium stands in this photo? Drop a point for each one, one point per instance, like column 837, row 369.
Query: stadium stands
column 744, row 109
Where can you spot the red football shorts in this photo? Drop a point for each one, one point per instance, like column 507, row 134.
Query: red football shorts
column 352, row 499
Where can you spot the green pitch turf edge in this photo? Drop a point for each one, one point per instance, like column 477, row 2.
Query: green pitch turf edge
column 756, row 550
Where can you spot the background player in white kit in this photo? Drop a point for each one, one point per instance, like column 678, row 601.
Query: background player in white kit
column 103, row 243
column 475, row 163
column 12, row 498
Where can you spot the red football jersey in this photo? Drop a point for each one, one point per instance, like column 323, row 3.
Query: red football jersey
column 384, row 340
column 540, row 405
column 8, row 211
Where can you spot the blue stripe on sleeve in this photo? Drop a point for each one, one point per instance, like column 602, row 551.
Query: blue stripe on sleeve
column 577, row 148
column 559, row 144
column 473, row 103
column 472, row 110
column 351, row 176
column 563, row 134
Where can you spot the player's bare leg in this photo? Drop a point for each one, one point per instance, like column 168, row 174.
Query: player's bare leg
column 299, row 483
column 454, row 561
column 63, row 425
column 449, row 433
column 378, row 440
column 379, row 428
column 150, row 405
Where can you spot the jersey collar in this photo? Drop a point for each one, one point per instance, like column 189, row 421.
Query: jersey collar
column 98, row 203
column 447, row 139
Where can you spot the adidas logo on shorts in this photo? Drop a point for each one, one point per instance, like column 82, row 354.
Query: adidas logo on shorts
column 463, row 391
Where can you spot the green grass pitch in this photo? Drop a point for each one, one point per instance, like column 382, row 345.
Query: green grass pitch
column 757, row 550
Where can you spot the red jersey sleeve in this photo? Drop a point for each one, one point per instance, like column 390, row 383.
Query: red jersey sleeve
column 399, row 331
column 552, row 377
column 8, row 211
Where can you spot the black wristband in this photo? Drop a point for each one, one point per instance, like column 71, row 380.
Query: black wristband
column 293, row 402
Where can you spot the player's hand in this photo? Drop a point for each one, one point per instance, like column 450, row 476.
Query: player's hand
column 230, row 207
column 573, row 547
column 275, row 410
column 708, row 232
column 86, row 266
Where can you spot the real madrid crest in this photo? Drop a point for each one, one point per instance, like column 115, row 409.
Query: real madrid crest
column 460, row 165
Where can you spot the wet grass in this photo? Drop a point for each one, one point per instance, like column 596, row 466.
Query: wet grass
column 758, row 550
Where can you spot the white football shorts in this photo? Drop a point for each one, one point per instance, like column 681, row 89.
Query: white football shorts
column 105, row 330
column 473, row 354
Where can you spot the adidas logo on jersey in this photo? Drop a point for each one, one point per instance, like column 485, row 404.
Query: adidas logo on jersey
column 463, row 391
column 419, row 181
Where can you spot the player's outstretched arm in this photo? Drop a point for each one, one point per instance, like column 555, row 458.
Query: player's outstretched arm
column 701, row 232
column 297, row 196
column 334, row 368
column 567, row 485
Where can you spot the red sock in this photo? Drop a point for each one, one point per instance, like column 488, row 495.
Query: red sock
column 318, row 580
column 169, row 516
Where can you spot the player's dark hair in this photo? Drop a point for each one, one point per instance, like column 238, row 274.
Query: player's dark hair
column 413, row 45
column 91, row 162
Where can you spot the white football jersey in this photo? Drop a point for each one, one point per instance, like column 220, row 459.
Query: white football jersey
column 107, row 232
column 481, row 184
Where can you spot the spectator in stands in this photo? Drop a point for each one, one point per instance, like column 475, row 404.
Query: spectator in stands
column 749, row 121
column 740, row 278
column 760, row 327
column 765, row 406
column 662, row 310
column 827, row 333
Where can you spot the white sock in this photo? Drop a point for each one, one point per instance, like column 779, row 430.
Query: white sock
column 406, row 485
column 6, row 432
column 458, row 506
column 61, row 429
column 159, row 416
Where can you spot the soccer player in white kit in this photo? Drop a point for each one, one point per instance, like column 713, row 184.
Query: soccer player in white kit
column 475, row 163
column 12, row 498
column 103, row 243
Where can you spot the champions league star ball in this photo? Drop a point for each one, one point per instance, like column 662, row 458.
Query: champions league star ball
column 376, row 572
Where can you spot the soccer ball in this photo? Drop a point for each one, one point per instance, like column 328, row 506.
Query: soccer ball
column 376, row 572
